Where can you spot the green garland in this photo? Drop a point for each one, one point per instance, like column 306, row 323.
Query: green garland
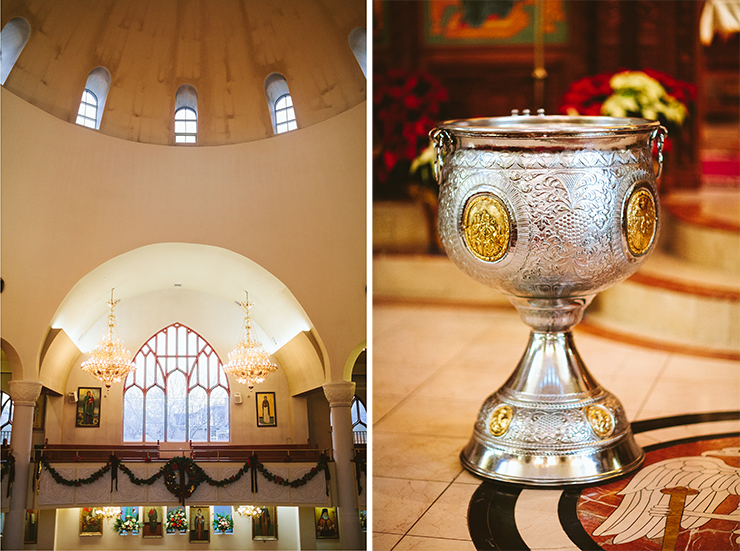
column 59, row 479
column 193, row 475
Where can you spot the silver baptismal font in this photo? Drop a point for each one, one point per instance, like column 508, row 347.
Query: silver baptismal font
column 549, row 210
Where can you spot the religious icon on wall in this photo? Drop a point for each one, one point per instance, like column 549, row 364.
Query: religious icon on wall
column 30, row 534
column 88, row 407
column 200, row 523
column 266, row 415
column 90, row 523
column 151, row 526
column 448, row 22
column 39, row 412
column 264, row 527
column 327, row 526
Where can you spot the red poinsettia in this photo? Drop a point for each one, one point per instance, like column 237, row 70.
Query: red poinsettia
column 405, row 108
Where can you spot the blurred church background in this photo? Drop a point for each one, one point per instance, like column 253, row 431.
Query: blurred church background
column 482, row 59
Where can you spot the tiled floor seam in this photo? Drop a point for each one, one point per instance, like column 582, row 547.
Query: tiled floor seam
column 422, row 516
column 412, row 392
column 653, row 385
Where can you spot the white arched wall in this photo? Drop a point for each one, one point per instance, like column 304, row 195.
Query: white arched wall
column 196, row 285
column 74, row 199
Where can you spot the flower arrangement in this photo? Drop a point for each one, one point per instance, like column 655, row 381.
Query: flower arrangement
column 405, row 108
column 647, row 94
column 223, row 523
column 176, row 520
column 126, row 525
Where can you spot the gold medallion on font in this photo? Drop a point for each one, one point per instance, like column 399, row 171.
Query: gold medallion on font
column 601, row 420
column 501, row 419
column 640, row 221
column 486, row 227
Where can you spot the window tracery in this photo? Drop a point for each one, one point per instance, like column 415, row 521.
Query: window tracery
column 178, row 391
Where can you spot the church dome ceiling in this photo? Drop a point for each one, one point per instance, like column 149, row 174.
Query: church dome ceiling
column 223, row 49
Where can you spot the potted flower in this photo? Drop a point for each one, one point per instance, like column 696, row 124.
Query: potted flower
column 646, row 94
column 406, row 107
column 176, row 520
column 223, row 523
column 127, row 525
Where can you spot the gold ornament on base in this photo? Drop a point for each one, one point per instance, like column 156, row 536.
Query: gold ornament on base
column 109, row 362
column 248, row 362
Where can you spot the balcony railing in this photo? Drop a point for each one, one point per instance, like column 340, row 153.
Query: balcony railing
column 199, row 452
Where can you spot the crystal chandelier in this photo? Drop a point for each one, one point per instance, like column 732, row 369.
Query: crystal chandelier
column 249, row 362
column 249, row 511
column 109, row 362
column 107, row 513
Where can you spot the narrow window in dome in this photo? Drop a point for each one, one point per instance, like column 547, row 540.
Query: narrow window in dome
column 13, row 39
column 186, row 125
column 280, row 103
column 87, row 115
column 284, row 115
column 358, row 44
column 94, row 97
column 186, row 115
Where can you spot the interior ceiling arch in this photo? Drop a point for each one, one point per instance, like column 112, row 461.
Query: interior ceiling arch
column 225, row 49
column 180, row 277
column 196, row 285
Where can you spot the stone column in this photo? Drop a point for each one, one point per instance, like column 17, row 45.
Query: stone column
column 340, row 397
column 24, row 395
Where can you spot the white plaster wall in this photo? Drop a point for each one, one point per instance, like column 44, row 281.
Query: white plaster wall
column 72, row 199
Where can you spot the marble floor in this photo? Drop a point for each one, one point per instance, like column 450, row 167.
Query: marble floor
column 432, row 367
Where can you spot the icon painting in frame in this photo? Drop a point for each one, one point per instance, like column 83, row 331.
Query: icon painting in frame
column 266, row 414
column 88, row 407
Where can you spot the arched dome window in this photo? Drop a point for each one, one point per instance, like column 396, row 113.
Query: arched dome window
column 178, row 392
column 87, row 115
column 186, row 114
column 358, row 44
column 94, row 97
column 13, row 39
column 280, row 103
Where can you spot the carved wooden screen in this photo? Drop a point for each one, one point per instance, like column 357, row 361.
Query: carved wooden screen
column 178, row 392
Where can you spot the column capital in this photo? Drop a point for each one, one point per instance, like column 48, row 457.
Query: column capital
column 339, row 394
column 24, row 393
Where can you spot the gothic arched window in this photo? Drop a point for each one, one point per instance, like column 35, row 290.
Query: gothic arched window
column 6, row 416
column 178, row 392
column 359, row 421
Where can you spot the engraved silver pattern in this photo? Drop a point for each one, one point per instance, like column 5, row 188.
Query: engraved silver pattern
column 564, row 182
column 567, row 213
